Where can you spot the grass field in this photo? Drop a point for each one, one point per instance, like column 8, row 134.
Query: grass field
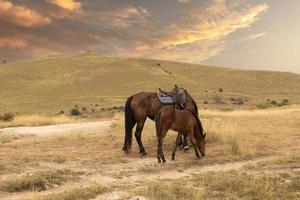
column 95, row 82
column 251, row 154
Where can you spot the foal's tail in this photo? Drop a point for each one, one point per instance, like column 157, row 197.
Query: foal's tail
column 129, row 124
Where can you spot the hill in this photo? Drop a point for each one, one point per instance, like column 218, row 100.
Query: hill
column 60, row 83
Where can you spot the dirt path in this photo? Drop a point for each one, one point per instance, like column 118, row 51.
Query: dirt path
column 42, row 131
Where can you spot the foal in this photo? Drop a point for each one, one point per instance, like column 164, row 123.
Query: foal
column 182, row 121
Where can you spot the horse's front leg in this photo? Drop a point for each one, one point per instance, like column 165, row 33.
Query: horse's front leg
column 176, row 144
column 192, row 139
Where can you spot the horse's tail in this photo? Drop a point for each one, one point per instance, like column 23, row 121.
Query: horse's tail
column 129, row 124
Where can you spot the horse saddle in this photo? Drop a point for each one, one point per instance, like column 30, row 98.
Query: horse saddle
column 177, row 97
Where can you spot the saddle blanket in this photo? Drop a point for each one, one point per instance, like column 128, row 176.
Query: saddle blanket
column 165, row 99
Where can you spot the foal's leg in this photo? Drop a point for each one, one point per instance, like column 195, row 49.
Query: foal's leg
column 138, row 136
column 176, row 144
column 192, row 139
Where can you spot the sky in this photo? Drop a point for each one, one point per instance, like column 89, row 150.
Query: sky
column 249, row 34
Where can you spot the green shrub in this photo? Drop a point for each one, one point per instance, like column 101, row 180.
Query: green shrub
column 274, row 103
column 75, row 112
column 263, row 106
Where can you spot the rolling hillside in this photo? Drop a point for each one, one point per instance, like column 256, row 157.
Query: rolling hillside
column 59, row 83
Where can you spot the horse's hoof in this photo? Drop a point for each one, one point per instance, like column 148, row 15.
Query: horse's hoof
column 164, row 161
column 144, row 153
column 173, row 158
column 186, row 149
column 159, row 161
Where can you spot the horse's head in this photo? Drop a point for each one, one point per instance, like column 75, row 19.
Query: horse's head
column 201, row 145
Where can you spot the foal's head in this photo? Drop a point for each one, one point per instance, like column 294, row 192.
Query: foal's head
column 201, row 144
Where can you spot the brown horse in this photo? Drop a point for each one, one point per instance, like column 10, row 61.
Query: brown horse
column 184, row 122
column 140, row 106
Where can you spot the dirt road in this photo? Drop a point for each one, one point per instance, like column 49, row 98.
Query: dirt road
column 42, row 131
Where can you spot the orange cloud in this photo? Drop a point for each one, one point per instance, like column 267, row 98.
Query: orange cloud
column 12, row 43
column 125, row 17
column 200, row 34
column 67, row 4
column 21, row 15
column 214, row 23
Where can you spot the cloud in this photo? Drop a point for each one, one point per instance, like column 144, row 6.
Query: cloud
column 252, row 37
column 12, row 43
column 212, row 23
column 124, row 17
column 201, row 32
column 67, row 4
column 184, row 1
column 21, row 15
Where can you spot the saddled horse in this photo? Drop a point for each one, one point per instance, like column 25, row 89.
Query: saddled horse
column 145, row 105
column 184, row 122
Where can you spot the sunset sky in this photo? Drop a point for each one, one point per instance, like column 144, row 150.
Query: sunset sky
column 250, row 34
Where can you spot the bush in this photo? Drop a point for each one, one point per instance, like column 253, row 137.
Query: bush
column 61, row 112
column 83, row 108
column 75, row 112
column 205, row 102
column 285, row 102
column 263, row 106
column 220, row 89
column 7, row 117
column 274, row 103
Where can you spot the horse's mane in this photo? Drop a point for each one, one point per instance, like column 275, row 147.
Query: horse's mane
column 199, row 126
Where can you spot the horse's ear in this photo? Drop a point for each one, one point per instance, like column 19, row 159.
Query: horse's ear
column 204, row 135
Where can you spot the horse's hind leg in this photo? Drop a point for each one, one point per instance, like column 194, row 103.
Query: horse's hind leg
column 176, row 144
column 185, row 143
column 138, row 136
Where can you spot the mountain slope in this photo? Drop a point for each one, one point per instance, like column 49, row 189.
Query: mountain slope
column 61, row 82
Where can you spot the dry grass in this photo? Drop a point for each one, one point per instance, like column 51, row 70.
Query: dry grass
column 82, row 193
column 247, row 133
column 37, row 120
column 224, row 185
column 37, row 181
column 237, row 135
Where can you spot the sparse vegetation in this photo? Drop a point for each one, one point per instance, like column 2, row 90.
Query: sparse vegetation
column 171, row 191
column 83, row 193
column 38, row 181
column 218, row 100
column 237, row 101
column 60, row 159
